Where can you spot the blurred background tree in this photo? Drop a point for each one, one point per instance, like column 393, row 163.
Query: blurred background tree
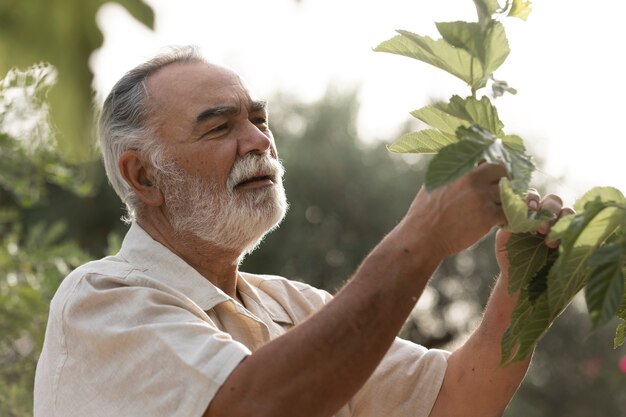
column 344, row 195
column 63, row 33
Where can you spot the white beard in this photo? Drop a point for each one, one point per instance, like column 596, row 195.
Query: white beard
column 235, row 219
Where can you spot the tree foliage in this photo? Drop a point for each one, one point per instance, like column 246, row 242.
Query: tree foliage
column 34, row 257
column 464, row 131
column 62, row 33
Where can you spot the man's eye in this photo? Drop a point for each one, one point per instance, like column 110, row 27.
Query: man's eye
column 260, row 121
column 220, row 128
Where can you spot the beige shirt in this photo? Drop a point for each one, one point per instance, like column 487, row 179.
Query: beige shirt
column 142, row 333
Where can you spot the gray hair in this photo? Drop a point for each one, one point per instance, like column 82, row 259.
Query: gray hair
column 124, row 122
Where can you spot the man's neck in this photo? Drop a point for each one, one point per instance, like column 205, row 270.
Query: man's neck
column 216, row 264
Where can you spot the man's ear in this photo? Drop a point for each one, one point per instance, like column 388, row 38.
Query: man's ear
column 138, row 174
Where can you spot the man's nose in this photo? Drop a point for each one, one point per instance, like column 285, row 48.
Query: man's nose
column 254, row 140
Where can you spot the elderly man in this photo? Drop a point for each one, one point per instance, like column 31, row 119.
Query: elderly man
column 170, row 327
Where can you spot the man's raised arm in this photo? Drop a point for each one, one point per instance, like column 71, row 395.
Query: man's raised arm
column 315, row 368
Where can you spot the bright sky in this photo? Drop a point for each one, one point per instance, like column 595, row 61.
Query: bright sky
column 565, row 62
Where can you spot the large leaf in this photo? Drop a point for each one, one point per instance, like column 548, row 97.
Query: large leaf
column 521, row 169
column 539, row 282
column 520, row 9
column 439, row 119
column 519, row 218
column 453, row 161
column 514, row 143
column 475, row 144
column 422, row 141
column 527, row 255
column 488, row 44
column 605, row 287
column 465, row 35
column 603, row 194
column 519, row 316
column 496, row 47
column 534, row 327
column 620, row 335
column 479, row 112
column 438, row 53
column 587, row 231
column 529, row 321
column 568, row 228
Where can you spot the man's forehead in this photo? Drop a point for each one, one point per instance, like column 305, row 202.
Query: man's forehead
column 197, row 82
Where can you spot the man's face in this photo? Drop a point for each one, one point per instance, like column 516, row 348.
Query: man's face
column 222, row 181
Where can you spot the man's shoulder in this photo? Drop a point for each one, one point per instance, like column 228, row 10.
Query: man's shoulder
column 106, row 272
column 110, row 266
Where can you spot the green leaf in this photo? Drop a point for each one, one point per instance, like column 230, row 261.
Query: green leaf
column 453, row 161
column 539, row 283
column 520, row 9
column 479, row 112
column 529, row 322
column 439, row 119
column 605, row 287
column 489, row 45
column 438, row 53
column 586, row 232
column 496, row 47
column 498, row 88
column 514, row 143
column 568, row 229
column 519, row 316
column 535, row 326
column 527, row 255
column 602, row 194
column 560, row 228
column 620, row 335
column 519, row 219
column 422, row 141
column 465, row 35
column 521, row 169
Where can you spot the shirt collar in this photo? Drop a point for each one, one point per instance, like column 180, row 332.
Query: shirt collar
column 147, row 254
column 152, row 257
column 258, row 301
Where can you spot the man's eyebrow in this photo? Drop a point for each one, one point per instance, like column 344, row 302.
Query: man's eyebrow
column 255, row 106
column 258, row 105
column 215, row 112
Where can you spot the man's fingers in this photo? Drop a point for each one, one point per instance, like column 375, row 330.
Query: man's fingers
column 553, row 204
column 533, row 199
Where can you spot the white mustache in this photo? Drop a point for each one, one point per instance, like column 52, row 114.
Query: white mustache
column 252, row 165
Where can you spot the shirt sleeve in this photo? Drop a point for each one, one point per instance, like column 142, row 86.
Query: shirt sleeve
column 406, row 383
column 131, row 350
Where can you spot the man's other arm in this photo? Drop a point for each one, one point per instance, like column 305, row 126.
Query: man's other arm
column 475, row 384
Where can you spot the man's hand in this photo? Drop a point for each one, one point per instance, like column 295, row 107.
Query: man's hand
column 552, row 203
column 457, row 215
